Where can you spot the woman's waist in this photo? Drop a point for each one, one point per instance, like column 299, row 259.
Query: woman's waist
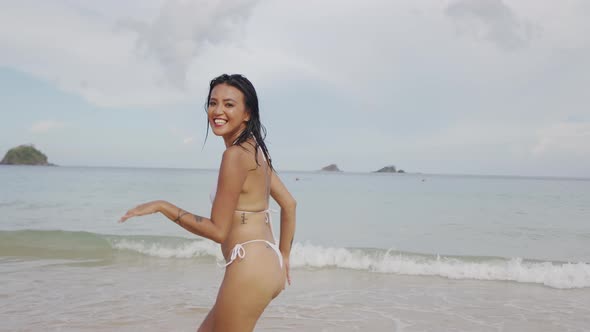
column 248, row 217
column 244, row 236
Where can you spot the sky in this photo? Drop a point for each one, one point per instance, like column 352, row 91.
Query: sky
column 454, row 87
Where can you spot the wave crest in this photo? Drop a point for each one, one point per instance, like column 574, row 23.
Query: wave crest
column 552, row 274
column 85, row 245
column 179, row 249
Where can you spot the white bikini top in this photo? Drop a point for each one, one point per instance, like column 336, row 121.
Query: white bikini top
column 213, row 191
column 268, row 211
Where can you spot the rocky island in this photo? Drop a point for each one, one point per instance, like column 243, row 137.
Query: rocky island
column 389, row 169
column 25, row 155
column 331, row 168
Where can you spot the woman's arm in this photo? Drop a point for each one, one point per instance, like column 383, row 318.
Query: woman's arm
column 193, row 223
column 288, row 206
column 232, row 174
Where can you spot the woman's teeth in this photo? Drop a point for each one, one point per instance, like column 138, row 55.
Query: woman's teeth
column 220, row 121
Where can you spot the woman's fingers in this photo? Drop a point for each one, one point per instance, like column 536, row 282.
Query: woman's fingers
column 126, row 216
column 129, row 214
column 287, row 269
column 140, row 210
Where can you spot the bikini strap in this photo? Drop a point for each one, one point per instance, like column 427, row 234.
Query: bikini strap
column 239, row 252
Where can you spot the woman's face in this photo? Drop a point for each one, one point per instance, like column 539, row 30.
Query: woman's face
column 227, row 111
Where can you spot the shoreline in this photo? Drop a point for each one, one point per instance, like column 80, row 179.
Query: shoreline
column 150, row 296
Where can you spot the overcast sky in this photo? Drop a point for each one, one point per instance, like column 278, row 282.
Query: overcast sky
column 457, row 86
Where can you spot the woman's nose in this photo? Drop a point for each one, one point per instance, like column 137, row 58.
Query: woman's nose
column 217, row 109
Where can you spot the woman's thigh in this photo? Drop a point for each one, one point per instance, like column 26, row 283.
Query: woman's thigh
column 207, row 324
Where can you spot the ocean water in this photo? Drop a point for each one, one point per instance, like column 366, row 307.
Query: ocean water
column 378, row 252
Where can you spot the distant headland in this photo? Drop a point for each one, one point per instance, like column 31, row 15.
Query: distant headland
column 386, row 169
column 331, row 168
column 25, row 155
column 390, row 169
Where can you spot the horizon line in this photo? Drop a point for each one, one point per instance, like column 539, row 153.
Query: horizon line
column 555, row 177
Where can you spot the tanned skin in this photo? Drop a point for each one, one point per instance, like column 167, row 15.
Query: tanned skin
column 249, row 284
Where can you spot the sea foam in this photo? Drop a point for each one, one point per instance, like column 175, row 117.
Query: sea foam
column 182, row 249
column 59, row 244
column 562, row 275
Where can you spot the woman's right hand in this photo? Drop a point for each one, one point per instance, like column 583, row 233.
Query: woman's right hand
column 141, row 210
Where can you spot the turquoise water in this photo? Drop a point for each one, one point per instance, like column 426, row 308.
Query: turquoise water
column 408, row 232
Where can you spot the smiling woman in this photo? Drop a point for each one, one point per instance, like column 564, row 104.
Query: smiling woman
column 236, row 98
column 240, row 216
column 226, row 111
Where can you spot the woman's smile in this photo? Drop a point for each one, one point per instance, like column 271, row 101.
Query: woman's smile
column 227, row 112
column 219, row 122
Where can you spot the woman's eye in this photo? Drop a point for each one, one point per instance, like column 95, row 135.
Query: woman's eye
column 229, row 105
column 211, row 103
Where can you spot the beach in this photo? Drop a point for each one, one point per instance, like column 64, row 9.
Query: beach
column 158, row 294
column 450, row 253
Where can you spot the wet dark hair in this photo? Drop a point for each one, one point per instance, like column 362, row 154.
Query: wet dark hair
column 254, row 127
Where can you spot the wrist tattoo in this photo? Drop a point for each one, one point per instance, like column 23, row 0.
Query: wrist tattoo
column 198, row 218
column 181, row 213
column 177, row 218
column 243, row 218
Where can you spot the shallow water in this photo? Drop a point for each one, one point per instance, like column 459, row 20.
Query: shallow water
column 158, row 294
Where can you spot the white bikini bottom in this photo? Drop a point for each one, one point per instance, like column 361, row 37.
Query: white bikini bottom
column 239, row 251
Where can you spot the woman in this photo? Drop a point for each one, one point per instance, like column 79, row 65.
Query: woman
column 256, row 268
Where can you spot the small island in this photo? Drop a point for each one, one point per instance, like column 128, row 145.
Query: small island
column 331, row 168
column 25, row 155
column 390, row 169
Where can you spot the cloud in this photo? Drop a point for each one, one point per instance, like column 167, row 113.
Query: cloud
column 122, row 63
column 490, row 20
column 564, row 138
column 79, row 53
column 45, row 126
column 396, row 71
column 184, row 29
column 181, row 134
column 151, row 58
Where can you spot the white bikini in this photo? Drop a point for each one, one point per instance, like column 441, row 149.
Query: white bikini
column 238, row 250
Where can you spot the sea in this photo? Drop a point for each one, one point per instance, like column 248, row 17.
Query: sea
column 372, row 252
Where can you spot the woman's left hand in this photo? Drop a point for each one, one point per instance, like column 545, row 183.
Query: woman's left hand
column 141, row 210
column 287, row 270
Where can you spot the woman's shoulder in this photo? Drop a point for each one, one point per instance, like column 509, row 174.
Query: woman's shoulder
column 239, row 154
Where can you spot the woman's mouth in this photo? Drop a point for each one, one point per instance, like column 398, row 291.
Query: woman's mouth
column 219, row 122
